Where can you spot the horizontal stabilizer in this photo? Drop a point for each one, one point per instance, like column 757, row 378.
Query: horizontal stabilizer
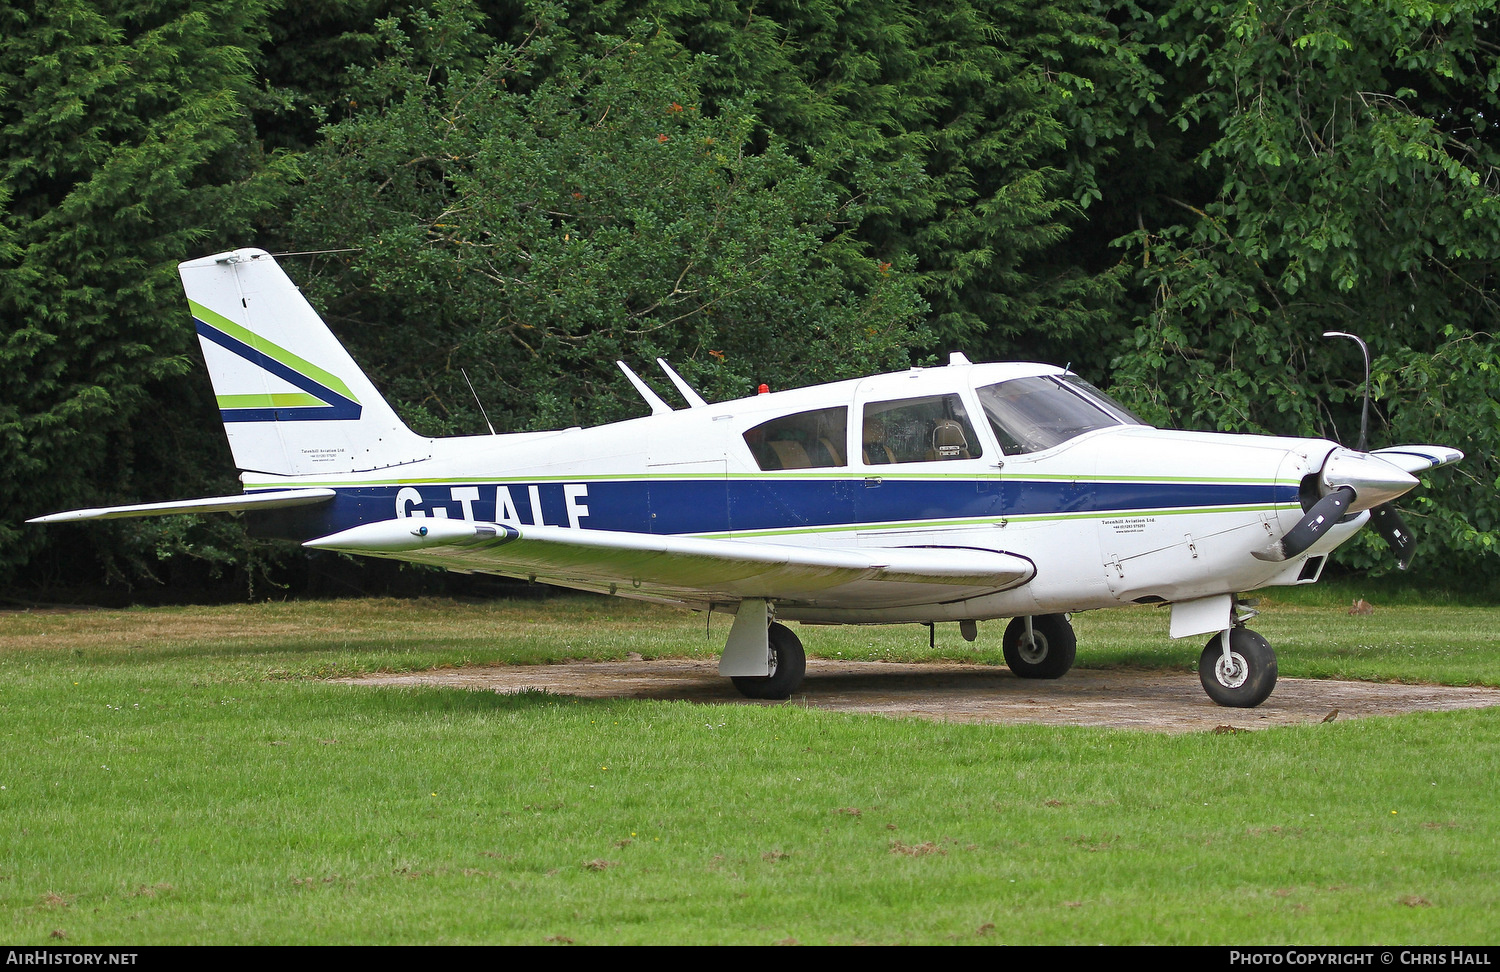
column 243, row 502
column 731, row 568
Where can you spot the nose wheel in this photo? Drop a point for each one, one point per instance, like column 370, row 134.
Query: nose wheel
column 1241, row 677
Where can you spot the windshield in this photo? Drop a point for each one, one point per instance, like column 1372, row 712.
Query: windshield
column 1032, row 414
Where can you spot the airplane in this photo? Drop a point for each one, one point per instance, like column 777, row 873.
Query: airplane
column 961, row 493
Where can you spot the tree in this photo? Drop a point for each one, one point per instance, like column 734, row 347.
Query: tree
column 993, row 106
column 122, row 149
column 532, row 229
column 1336, row 169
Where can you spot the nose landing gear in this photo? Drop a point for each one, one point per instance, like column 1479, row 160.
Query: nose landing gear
column 1238, row 668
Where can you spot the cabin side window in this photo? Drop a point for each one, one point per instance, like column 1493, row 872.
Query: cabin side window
column 806, row 440
column 926, row 429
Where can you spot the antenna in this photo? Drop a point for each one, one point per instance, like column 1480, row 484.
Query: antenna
column 658, row 407
column 694, row 399
column 1364, row 412
column 477, row 401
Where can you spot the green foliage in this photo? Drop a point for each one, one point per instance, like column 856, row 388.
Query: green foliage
column 1336, row 170
column 533, row 230
column 122, row 150
column 991, row 105
column 1178, row 195
column 1452, row 393
column 304, row 66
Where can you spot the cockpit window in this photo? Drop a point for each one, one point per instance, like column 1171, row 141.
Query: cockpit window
column 918, row 430
column 1032, row 414
column 806, row 440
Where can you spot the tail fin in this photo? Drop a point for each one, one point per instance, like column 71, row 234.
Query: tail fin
column 293, row 402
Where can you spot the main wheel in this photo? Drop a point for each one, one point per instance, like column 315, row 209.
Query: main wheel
column 1050, row 651
column 788, row 665
column 1244, row 679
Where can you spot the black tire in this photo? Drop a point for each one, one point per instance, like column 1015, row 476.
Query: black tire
column 1051, row 651
column 788, row 665
column 1253, row 675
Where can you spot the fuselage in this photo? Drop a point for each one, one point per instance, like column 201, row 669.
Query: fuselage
column 1115, row 513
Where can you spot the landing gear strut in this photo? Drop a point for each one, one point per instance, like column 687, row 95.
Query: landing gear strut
column 1238, row 668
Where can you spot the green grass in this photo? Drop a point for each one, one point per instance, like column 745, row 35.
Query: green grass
column 188, row 776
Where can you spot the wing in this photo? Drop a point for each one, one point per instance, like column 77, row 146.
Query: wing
column 1418, row 458
column 687, row 568
column 270, row 500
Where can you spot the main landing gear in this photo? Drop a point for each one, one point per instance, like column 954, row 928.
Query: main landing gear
column 1042, row 646
column 788, row 663
column 1238, row 668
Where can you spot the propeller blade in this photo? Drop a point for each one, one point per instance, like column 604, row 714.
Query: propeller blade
column 1388, row 524
column 1318, row 521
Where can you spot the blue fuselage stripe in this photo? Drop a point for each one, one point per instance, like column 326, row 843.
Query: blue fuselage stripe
column 711, row 506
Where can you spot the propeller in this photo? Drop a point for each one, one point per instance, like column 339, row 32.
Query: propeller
column 1350, row 482
column 1386, row 520
column 1353, row 480
column 1388, row 524
column 1318, row 520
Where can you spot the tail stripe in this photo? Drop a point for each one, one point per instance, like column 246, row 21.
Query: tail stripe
column 327, row 398
column 292, row 399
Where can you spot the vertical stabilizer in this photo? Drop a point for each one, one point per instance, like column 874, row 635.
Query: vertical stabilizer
column 293, row 401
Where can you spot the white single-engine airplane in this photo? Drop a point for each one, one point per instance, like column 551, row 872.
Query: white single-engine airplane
column 959, row 493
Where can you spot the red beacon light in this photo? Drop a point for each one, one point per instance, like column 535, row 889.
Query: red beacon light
column 764, row 389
